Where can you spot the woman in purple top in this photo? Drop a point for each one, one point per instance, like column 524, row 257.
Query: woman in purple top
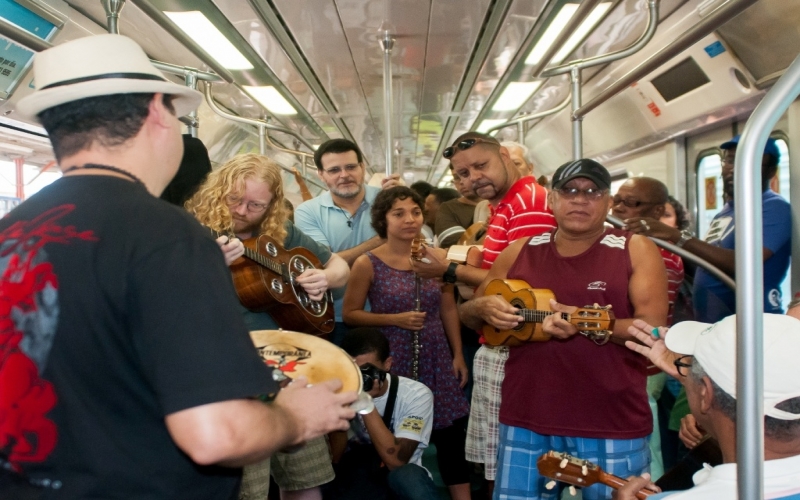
column 385, row 277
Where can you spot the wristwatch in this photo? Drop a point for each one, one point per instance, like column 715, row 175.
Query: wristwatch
column 449, row 276
column 686, row 235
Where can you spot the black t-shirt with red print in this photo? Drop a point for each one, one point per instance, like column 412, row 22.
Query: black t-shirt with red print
column 116, row 310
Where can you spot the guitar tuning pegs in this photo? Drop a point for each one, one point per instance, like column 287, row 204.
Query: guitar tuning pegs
column 573, row 491
column 564, row 463
column 584, row 470
column 550, row 485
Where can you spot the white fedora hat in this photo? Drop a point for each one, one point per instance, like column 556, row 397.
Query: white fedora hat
column 98, row 65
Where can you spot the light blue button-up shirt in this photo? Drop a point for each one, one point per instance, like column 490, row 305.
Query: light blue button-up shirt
column 329, row 225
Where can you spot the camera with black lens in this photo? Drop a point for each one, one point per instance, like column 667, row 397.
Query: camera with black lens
column 371, row 374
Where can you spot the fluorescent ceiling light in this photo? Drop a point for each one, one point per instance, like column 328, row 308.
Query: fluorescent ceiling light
column 197, row 26
column 15, row 148
column 487, row 124
column 586, row 26
column 271, row 99
column 552, row 32
column 515, row 95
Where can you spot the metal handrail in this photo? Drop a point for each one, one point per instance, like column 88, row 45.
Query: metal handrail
column 650, row 30
column 717, row 18
column 750, row 268
column 264, row 138
column 684, row 254
column 23, row 37
column 527, row 118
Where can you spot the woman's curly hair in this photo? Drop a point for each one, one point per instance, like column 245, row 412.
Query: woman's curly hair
column 209, row 205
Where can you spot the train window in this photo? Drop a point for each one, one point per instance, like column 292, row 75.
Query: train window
column 32, row 177
column 709, row 190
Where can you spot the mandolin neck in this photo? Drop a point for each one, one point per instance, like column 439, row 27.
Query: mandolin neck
column 536, row 316
column 617, row 482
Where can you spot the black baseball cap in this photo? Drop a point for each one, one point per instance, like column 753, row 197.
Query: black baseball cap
column 584, row 167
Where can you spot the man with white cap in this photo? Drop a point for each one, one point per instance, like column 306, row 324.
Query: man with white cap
column 703, row 357
column 125, row 368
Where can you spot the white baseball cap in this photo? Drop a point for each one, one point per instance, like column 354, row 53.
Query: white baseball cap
column 714, row 346
column 98, row 65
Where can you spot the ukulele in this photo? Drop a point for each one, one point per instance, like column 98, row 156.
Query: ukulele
column 595, row 322
column 265, row 282
column 576, row 472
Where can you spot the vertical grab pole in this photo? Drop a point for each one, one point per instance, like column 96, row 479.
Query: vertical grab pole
column 191, row 82
column 577, row 121
column 262, row 139
column 750, row 292
column 113, row 8
column 387, row 43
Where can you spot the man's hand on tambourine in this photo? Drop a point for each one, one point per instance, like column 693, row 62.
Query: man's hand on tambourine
column 316, row 409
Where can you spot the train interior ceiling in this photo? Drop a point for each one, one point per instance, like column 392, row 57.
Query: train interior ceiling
column 312, row 70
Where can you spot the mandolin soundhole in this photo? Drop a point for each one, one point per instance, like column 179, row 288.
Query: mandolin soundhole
column 271, row 249
column 519, row 304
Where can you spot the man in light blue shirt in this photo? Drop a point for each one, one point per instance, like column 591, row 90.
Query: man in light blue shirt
column 340, row 217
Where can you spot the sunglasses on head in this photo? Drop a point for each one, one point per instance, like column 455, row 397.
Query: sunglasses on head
column 463, row 145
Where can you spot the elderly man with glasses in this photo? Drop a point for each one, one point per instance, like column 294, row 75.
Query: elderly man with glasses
column 703, row 357
column 577, row 394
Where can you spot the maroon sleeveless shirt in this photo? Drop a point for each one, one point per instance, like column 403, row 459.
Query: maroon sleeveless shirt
column 575, row 387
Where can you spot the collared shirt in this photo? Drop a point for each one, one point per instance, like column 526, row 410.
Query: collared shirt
column 522, row 212
column 324, row 222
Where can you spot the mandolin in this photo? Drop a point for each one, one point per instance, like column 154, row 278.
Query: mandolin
column 594, row 322
column 265, row 282
column 568, row 469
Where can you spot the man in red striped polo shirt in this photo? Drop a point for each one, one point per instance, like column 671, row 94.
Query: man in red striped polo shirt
column 519, row 209
column 641, row 197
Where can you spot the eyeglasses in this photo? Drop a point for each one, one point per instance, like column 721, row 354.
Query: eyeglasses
column 591, row 194
column 629, row 202
column 338, row 170
column 683, row 367
column 463, row 145
column 252, row 206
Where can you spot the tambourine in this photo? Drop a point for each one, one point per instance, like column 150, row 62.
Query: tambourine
column 294, row 354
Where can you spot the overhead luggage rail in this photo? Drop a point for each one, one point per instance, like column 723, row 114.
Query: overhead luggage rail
column 717, row 18
column 684, row 254
column 750, row 272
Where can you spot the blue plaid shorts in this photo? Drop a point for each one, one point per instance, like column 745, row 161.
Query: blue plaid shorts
column 519, row 479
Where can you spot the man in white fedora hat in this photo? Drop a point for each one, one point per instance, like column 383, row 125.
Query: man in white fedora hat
column 125, row 368
column 703, row 357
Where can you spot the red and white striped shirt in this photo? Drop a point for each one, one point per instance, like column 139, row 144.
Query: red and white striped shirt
column 674, row 265
column 522, row 212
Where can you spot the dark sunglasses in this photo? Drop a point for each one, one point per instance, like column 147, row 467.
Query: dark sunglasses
column 629, row 202
column 463, row 145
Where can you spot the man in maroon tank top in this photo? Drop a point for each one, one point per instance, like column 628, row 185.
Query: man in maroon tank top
column 575, row 394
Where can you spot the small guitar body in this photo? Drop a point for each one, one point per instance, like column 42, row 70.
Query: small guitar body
column 594, row 322
column 265, row 282
column 571, row 470
column 520, row 295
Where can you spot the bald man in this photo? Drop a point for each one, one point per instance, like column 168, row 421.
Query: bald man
column 519, row 155
column 644, row 197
